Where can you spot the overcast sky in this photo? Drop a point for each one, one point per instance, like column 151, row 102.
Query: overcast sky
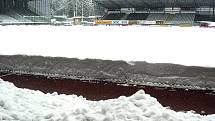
column 187, row 46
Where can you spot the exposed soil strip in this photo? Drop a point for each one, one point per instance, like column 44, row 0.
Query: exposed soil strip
column 177, row 99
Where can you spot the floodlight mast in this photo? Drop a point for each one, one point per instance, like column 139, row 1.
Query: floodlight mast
column 82, row 11
column 76, row 9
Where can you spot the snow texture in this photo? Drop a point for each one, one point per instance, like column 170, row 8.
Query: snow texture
column 28, row 105
column 190, row 46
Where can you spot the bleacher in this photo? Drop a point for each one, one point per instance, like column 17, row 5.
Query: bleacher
column 178, row 18
column 21, row 15
column 5, row 18
column 165, row 18
column 137, row 16
column 37, row 18
column 114, row 16
column 157, row 17
column 199, row 17
column 24, row 12
column 159, row 12
column 31, row 16
column 170, row 18
column 16, row 15
column 183, row 18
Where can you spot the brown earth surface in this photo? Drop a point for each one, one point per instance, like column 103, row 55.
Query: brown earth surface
column 200, row 101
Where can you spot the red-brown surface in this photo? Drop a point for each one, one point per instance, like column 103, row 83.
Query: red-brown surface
column 177, row 99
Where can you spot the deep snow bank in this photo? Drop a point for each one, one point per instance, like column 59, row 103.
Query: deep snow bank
column 26, row 105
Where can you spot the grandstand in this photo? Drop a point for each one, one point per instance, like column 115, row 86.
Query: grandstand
column 114, row 16
column 174, row 12
column 137, row 16
column 24, row 11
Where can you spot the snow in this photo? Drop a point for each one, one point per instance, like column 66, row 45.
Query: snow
column 180, row 45
column 131, row 63
column 28, row 105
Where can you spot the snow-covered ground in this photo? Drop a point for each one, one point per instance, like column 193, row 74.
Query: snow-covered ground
column 28, row 105
column 180, row 45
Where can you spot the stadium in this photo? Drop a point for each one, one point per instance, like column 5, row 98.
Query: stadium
column 102, row 73
column 169, row 12
column 111, row 12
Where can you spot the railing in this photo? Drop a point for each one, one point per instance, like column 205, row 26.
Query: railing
column 38, row 18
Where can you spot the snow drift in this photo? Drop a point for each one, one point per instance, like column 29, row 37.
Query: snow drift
column 28, row 105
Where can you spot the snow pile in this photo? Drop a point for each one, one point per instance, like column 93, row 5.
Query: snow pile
column 132, row 63
column 28, row 105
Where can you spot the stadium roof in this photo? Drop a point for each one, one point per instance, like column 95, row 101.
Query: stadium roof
column 116, row 4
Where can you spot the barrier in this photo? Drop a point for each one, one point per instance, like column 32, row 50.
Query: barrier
column 112, row 22
column 150, row 22
column 116, row 22
column 185, row 25
column 124, row 22
column 160, row 22
column 140, row 22
column 132, row 22
column 103, row 22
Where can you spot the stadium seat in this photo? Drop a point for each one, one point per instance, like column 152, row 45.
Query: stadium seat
column 183, row 18
column 6, row 18
column 137, row 16
column 199, row 17
column 114, row 16
column 157, row 17
column 170, row 18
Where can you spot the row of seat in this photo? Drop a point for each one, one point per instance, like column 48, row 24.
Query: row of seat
column 20, row 15
column 205, row 18
column 168, row 18
column 120, row 16
column 114, row 16
column 16, row 15
column 137, row 16
column 183, row 18
column 157, row 16
column 6, row 18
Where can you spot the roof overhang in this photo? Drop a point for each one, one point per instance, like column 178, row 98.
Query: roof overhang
column 117, row 4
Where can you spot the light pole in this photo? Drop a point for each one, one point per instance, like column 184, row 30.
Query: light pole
column 82, row 11
column 76, row 5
